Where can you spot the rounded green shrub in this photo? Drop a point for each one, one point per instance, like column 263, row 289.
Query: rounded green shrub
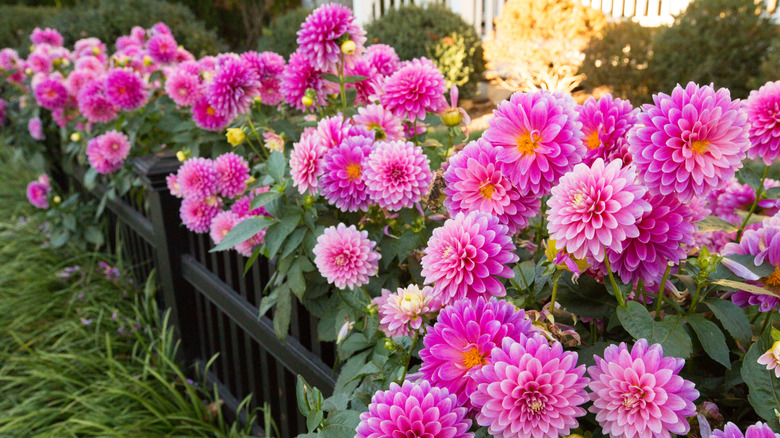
column 281, row 35
column 17, row 22
column 415, row 31
column 770, row 65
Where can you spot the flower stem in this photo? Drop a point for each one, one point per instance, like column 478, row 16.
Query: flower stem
column 257, row 136
column 759, row 191
column 659, row 299
column 368, row 296
column 695, row 300
column 409, row 356
column 613, row 283
column 555, row 279
column 766, row 323
column 342, row 91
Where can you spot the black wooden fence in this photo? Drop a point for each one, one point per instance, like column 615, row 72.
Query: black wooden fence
column 214, row 307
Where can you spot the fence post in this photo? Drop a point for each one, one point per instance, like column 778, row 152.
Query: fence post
column 170, row 243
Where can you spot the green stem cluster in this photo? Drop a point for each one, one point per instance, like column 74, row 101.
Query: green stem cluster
column 759, row 192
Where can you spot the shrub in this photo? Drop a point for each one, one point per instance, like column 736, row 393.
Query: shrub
column 538, row 43
column 719, row 41
column 16, row 23
column 770, row 65
column 281, row 35
column 414, row 31
column 619, row 60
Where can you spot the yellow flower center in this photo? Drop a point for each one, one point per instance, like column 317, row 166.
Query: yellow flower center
column 354, row 171
column 536, row 405
column 592, row 141
column 527, row 143
column 473, row 358
column 578, row 199
column 773, row 280
column 379, row 133
column 487, row 190
column 699, row 146
column 340, row 260
column 182, row 92
column 224, row 233
column 115, row 146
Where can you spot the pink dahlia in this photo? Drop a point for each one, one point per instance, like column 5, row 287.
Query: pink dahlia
column 207, row 117
column 90, row 63
column 51, row 94
column 763, row 110
column 604, row 122
column 332, row 131
column 403, row 312
column 466, row 254
column 594, row 208
column 690, row 142
column 233, row 88
column 37, row 193
column 46, row 36
column 540, row 139
column 94, row 104
column 90, row 47
column 125, row 89
column 162, row 48
column 35, row 127
column 247, row 247
column 474, row 181
column 758, row 430
column 417, row 88
column 342, row 182
column 414, row 410
column 367, row 88
column 461, row 341
column 232, row 174
column 197, row 214
column 242, row 204
column 345, row 256
column 530, row 389
column 183, row 87
column 172, row 181
column 384, row 124
column 107, row 153
column 764, row 244
column 324, row 31
column 383, row 58
column 299, row 76
column 198, row 178
column 222, row 224
column 269, row 67
column 39, row 62
column 76, row 80
column 397, row 174
column 306, row 164
column 638, row 393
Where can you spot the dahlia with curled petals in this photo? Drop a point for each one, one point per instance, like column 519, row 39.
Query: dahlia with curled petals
column 198, row 178
column 461, row 341
column 397, row 174
column 414, row 410
column 383, row 58
column 197, row 214
column 384, row 124
column 594, row 208
column 183, row 87
column 321, row 35
column 474, row 181
column 758, row 430
column 466, row 254
column 38, row 192
column 269, row 67
column 367, row 88
column 222, row 224
column 172, row 181
column 332, row 131
column 125, row 89
column 107, row 153
column 94, row 104
column 604, row 122
column 530, row 388
column 51, row 93
column 342, row 182
column 638, row 392
column 207, row 117
column 232, row 174
column 35, row 128
column 233, row 87
column 690, row 142
column 46, row 36
column 764, row 244
column 300, row 75
column 345, row 256
column 162, row 48
column 414, row 90
column 306, row 164
column 540, row 139
column 403, row 312
column 763, row 110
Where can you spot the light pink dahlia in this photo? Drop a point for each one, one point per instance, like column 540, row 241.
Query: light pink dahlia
column 342, row 182
column 172, row 181
column 403, row 312
column 183, row 87
column 690, row 142
column 464, row 336
column 397, row 174
column 332, row 131
column 306, row 164
column 474, row 181
column 764, row 244
column 604, row 122
column 414, row 410
column 76, row 80
column 323, row 32
column 35, row 128
column 51, row 93
column 222, row 224
column 763, row 109
column 414, row 90
column 383, row 58
column 198, row 178
column 197, row 214
column 107, row 153
column 94, row 104
column 771, row 359
column 46, row 36
column 638, row 393
column 530, row 389
column 207, row 117
column 125, row 89
column 758, row 430
column 384, row 124
column 540, row 139
column 232, row 174
column 466, row 254
column 345, row 256
column 233, row 88
column 597, row 207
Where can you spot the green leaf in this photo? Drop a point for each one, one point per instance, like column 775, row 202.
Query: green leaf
column 282, row 312
column 586, row 298
column 713, row 223
column 295, row 280
column 635, row 319
column 93, row 235
column 750, row 178
column 337, row 431
column 336, row 402
column 330, row 77
column 406, row 244
column 670, row 332
column 243, row 232
column 733, row 319
column 279, row 231
column 711, row 338
column 90, row 177
column 276, row 165
column 345, row 418
column 301, row 389
column 772, row 193
column 354, row 78
column 763, row 386
column 313, row 420
column 261, row 199
column 744, row 286
column 293, row 242
column 345, row 382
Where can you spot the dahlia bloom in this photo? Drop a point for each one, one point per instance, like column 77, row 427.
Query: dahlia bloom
column 342, row 182
column 466, row 254
column 207, row 117
column 301, row 75
column 222, row 224
column 198, row 178
column 758, row 430
column 771, row 358
column 39, row 62
column 172, row 181
column 94, row 104
column 197, row 214
column 345, row 256
column 51, row 93
column 604, row 122
column 162, row 48
column 597, row 207
column 107, row 153
column 397, row 174
column 232, row 174
column 474, row 181
column 530, row 389
column 242, row 204
column 90, row 47
column 764, row 244
column 638, row 393
column 461, row 341
column 320, row 33
column 35, row 127
column 37, row 191
column 763, row 107
column 246, row 247
column 76, row 80
column 46, row 36
column 540, row 139
column 332, row 131
column 233, row 88
column 384, row 124
column 402, row 312
column 306, row 164
column 690, row 142
column 383, row 58
column 367, row 88
column 183, row 87
column 125, row 88
column 269, row 67
column 417, row 88
column 414, row 410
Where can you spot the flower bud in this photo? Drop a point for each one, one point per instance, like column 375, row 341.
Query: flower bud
column 96, row 50
column 451, row 117
column 235, row 136
column 181, row 156
column 75, row 137
column 307, row 101
column 147, row 61
column 348, row 47
column 258, row 100
column 56, row 199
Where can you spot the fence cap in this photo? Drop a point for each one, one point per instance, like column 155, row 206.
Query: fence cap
column 154, row 168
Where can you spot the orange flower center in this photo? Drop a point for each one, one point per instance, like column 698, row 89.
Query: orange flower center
column 473, row 358
column 210, row 110
column 487, row 190
column 592, row 141
column 121, row 90
column 354, row 171
column 699, row 146
column 527, row 143
column 773, row 280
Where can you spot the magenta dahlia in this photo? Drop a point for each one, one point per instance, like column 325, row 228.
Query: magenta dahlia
column 763, row 110
column 306, row 164
column 198, row 178
column 40, row 62
column 269, row 67
column 397, row 174
column 51, row 93
column 46, row 36
column 367, row 88
column 460, row 342
column 242, row 205
column 758, row 430
column 125, row 88
column 183, row 87
column 37, row 193
column 594, row 208
column 233, row 87
column 94, row 104
column 332, row 131
column 207, row 117
column 604, row 122
column 690, row 142
column 35, row 128
column 323, row 33
column 345, row 256
column 764, row 244
column 162, row 48
column 197, row 214
column 414, row 90
column 414, row 410
column 342, row 182
column 403, row 312
column 383, row 58
column 530, row 389
column 232, row 174
column 299, row 76
column 384, row 124
column 540, row 139
column 474, row 181
column 466, row 254
column 107, row 153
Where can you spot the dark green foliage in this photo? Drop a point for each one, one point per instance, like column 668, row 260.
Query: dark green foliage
column 718, row 41
column 770, row 65
column 16, row 23
column 281, row 35
column 414, row 32
column 620, row 60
